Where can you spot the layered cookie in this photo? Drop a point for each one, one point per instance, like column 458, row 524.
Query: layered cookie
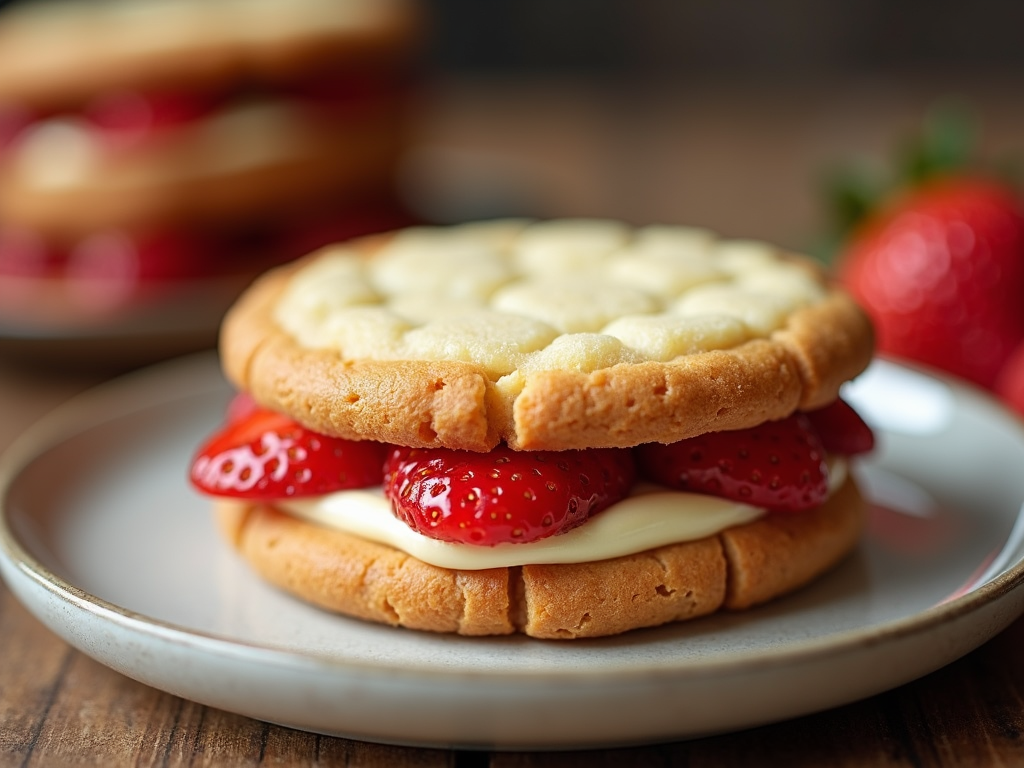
column 565, row 428
column 146, row 141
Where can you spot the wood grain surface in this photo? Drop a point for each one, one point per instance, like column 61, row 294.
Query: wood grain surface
column 737, row 158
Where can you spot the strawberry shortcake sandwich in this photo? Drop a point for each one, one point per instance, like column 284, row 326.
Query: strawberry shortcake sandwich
column 567, row 428
column 148, row 145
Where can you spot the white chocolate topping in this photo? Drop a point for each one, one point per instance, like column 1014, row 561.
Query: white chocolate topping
column 571, row 294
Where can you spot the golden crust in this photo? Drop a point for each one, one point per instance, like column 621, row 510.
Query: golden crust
column 348, row 575
column 100, row 52
column 831, row 343
column 608, row 597
column 654, row 402
column 456, row 404
column 788, row 549
column 147, row 186
column 737, row 568
column 407, row 402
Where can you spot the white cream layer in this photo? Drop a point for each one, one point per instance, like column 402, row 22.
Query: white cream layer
column 650, row 517
column 66, row 153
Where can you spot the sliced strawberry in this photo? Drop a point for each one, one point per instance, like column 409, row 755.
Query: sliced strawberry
column 131, row 115
column 504, row 495
column 841, row 429
column 25, row 253
column 337, row 88
column 265, row 455
column 341, row 89
column 779, row 465
column 14, row 119
column 241, row 407
column 1010, row 384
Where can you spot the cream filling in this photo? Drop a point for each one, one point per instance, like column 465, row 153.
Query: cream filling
column 66, row 153
column 650, row 517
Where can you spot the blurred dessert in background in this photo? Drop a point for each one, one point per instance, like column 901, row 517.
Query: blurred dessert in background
column 156, row 151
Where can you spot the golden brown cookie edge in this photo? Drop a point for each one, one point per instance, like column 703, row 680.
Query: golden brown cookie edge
column 801, row 365
column 83, row 69
column 738, row 568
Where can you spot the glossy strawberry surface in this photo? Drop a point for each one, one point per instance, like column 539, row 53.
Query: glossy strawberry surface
column 941, row 272
column 261, row 454
column 135, row 114
column 504, row 495
column 841, row 429
column 1010, row 384
column 779, row 465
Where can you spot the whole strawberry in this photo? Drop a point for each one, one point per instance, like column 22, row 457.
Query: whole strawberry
column 503, row 496
column 941, row 272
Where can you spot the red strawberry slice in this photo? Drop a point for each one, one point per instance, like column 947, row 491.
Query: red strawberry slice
column 241, row 407
column 504, row 495
column 265, row 455
column 1010, row 384
column 129, row 115
column 841, row 429
column 25, row 253
column 14, row 119
column 339, row 88
column 779, row 465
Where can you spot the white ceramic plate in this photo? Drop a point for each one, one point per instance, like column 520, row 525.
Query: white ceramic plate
column 102, row 539
column 178, row 319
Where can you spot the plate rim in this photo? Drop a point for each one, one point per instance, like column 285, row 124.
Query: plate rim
column 81, row 412
column 159, row 315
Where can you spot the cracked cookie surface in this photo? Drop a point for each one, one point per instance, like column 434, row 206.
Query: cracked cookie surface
column 545, row 335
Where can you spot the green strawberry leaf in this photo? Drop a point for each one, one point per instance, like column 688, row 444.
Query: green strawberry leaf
column 945, row 145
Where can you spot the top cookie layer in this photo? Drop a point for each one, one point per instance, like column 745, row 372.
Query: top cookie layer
column 550, row 335
column 58, row 52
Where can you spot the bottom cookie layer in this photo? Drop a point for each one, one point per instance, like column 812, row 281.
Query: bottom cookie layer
column 735, row 569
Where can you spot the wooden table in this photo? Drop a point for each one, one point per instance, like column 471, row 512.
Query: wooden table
column 737, row 158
